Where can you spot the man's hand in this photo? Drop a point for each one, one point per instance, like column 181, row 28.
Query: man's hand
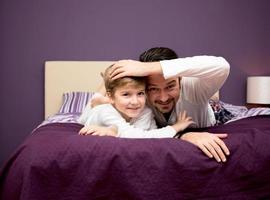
column 124, row 68
column 99, row 130
column 210, row 144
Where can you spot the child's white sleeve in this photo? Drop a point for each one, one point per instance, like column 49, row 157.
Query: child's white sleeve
column 88, row 109
column 85, row 114
column 145, row 120
column 143, row 127
column 125, row 130
column 106, row 115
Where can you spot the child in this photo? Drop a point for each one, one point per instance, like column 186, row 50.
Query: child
column 126, row 115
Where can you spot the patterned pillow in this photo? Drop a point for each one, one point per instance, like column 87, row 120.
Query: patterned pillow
column 222, row 115
column 75, row 102
column 234, row 109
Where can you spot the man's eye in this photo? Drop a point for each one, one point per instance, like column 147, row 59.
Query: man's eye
column 125, row 94
column 153, row 89
column 171, row 87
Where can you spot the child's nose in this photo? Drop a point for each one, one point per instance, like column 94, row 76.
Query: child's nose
column 134, row 100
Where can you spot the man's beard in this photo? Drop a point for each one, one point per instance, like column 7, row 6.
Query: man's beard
column 160, row 104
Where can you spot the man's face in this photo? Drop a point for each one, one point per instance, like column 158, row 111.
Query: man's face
column 163, row 94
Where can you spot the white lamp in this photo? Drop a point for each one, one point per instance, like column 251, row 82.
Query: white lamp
column 258, row 90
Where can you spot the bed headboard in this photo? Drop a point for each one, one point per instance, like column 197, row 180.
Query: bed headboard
column 72, row 76
column 69, row 76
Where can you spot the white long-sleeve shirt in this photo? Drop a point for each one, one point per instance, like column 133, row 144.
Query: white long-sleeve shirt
column 202, row 77
column 143, row 126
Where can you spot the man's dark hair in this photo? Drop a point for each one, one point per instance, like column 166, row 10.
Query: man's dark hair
column 157, row 54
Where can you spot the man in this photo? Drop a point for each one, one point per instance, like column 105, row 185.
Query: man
column 181, row 84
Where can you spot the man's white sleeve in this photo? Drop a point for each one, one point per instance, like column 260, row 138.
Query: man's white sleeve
column 205, row 75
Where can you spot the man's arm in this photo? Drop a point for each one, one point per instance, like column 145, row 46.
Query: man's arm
column 99, row 97
column 206, row 74
column 134, row 68
column 186, row 66
column 211, row 144
column 202, row 76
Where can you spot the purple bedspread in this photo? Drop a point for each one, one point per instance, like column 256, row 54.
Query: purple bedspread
column 56, row 163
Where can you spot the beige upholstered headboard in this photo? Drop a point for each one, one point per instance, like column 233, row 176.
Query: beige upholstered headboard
column 70, row 76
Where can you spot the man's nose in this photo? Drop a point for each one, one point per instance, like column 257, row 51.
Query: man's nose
column 164, row 96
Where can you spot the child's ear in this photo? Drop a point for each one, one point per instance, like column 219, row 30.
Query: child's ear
column 110, row 96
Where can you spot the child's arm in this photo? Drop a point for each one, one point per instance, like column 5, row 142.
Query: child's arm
column 95, row 119
column 86, row 112
column 98, row 99
column 99, row 130
column 106, row 116
column 183, row 121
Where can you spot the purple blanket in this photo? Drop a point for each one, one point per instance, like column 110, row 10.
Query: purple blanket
column 56, row 163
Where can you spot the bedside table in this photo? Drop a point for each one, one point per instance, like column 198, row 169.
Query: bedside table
column 254, row 105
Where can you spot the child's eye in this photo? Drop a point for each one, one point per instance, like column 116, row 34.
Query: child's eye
column 125, row 94
column 141, row 93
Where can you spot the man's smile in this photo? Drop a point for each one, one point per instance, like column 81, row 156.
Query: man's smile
column 164, row 103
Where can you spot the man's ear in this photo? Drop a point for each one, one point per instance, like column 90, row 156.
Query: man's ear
column 179, row 79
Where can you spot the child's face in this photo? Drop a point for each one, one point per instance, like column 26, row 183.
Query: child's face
column 129, row 100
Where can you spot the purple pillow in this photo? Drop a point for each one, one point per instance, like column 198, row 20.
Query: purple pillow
column 75, row 102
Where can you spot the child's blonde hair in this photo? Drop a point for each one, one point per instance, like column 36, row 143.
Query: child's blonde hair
column 112, row 85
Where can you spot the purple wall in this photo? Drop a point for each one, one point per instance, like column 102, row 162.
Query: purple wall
column 33, row 31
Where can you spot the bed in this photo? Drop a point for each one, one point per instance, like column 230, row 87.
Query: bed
column 54, row 162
